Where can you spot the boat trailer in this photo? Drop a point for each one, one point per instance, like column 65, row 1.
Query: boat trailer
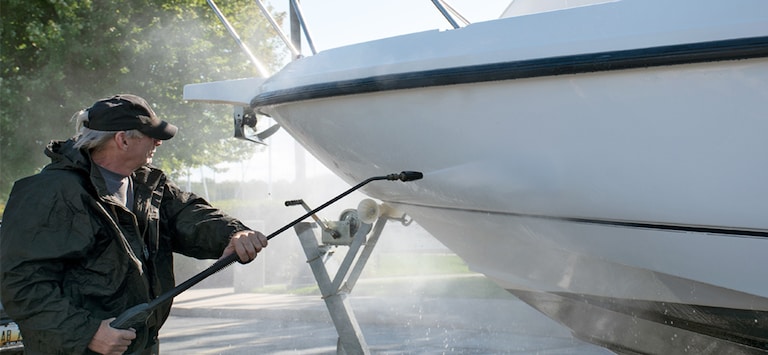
column 355, row 231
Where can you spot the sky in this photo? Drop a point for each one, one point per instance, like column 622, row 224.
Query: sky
column 335, row 23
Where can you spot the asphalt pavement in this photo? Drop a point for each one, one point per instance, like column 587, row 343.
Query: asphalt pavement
column 221, row 321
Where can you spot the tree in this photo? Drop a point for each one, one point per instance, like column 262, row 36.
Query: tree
column 60, row 56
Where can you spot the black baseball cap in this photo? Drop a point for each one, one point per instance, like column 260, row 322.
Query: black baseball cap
column 126, row 112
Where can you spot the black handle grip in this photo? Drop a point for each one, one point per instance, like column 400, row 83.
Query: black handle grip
column 293, row 202
column 132, row 317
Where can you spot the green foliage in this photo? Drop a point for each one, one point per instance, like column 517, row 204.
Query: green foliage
column 60, row 56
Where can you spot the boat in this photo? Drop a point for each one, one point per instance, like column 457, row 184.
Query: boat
column 604, row 161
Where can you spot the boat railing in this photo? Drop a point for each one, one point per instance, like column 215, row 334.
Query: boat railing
column 296, row 11
column 294, row 51
column 256, row 62
column 449, row 12
column 293, row 43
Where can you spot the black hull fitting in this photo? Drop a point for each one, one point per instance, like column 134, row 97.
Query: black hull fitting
column 648, row 327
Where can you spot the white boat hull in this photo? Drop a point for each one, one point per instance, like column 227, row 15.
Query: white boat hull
column 654, row 192
column 595, row 173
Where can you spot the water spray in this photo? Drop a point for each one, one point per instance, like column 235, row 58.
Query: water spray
column 137, row 315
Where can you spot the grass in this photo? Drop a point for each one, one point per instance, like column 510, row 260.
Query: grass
column 408, row 274
column 454, row 286
column 412, row 264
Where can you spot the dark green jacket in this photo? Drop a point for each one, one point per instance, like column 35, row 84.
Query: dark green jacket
column 71, row 255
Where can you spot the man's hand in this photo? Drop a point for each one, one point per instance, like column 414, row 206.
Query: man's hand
column 108, row 340
column 246, row 244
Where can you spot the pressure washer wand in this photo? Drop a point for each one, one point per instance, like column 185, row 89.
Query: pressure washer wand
column 138, row 314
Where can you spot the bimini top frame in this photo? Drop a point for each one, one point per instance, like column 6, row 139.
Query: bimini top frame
column 299, row 25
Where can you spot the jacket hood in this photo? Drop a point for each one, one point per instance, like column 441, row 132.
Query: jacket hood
column 64, row 155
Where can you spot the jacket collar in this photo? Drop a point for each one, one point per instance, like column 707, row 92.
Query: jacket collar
column 64, row 156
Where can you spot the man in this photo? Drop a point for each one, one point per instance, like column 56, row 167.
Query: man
column 93, row 234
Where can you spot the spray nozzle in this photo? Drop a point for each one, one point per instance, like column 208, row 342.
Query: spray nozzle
column 406, row 176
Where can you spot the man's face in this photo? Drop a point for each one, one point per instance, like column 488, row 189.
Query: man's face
column 141, row 150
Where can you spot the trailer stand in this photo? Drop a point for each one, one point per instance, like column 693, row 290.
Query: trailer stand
column 351, row 340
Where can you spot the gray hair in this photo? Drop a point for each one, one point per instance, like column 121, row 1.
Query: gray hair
column 92, row 139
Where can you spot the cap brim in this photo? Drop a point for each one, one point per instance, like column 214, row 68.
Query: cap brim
column 162, row 131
